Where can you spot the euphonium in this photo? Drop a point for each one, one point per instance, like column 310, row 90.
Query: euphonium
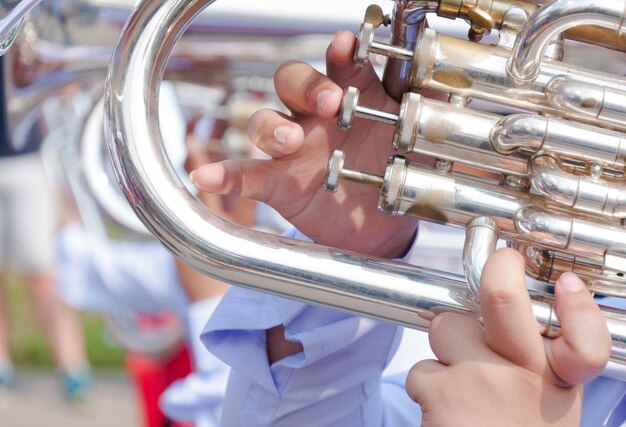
column 53, row 83
column 555, row 195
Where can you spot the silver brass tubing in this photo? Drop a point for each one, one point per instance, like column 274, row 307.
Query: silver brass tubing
column 216, row 247
column 455, row 199
column 578, row 192
column 12, row 12
column 11, row 18
column 533, row 133
column 362, row 177
column 597, row 102
column 562, row 231
column 551, row 20
column 407, row 22
column 473, row 70
column 316, row 274
column 547, row 266
column 391, row 51
column 376, row 115
column 489, row 141
column 481, row 237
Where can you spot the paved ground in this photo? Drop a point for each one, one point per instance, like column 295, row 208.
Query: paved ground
column 37, row 403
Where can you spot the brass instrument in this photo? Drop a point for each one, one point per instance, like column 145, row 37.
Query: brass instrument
column 53, row 87
column 556, row 195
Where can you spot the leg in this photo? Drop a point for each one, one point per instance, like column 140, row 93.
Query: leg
column 5, row 353
column 32, row 215
column 59, row 322
column 7, row 374
column 6, row 366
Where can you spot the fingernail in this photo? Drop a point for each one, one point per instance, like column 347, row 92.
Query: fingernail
column 321, row 98
column 571, row 283
column 191, row 174
column 281, row 133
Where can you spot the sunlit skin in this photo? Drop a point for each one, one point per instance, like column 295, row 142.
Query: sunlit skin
column 501, row 372
column 292, row 182
column 504, row 373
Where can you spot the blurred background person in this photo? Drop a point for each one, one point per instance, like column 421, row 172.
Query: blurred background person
column 28, row 213
column 138, row 281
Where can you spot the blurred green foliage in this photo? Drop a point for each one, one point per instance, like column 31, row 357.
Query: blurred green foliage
column 29, row 349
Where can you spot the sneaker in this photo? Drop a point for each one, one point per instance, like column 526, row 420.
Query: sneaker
column 76, row 385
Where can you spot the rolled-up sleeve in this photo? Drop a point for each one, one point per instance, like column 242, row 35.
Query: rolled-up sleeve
column 334, row 381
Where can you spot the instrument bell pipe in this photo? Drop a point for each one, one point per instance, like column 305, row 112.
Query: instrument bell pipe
column 311, row 273
column 553, row 19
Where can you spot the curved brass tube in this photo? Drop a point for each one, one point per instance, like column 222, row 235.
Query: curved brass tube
column 372, row 287
column 481, row 237
column 11, row 20
column 553, row 19
column 577, row 191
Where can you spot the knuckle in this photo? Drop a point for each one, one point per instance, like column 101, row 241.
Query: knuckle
column 258, row 124
column 232, row 182
column 313, row 85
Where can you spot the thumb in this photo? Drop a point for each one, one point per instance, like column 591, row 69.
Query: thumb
column 583, row 349
column 342, row 69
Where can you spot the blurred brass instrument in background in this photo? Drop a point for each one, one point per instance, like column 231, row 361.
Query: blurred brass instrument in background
column 53, row 79
column 546, row 169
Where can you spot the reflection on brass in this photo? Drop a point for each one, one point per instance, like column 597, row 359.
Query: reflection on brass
column 481, row 18
column 450, row 8
column 438, row 132
column 375, row 16
column 461, row 52
column 428, row 211
column 598, row 36
column 490, row 14
column 588, row 103
column 455, row 79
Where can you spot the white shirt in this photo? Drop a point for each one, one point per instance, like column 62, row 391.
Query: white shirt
column 338, row 379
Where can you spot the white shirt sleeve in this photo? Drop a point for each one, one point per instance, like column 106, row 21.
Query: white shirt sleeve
column 335, row 381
